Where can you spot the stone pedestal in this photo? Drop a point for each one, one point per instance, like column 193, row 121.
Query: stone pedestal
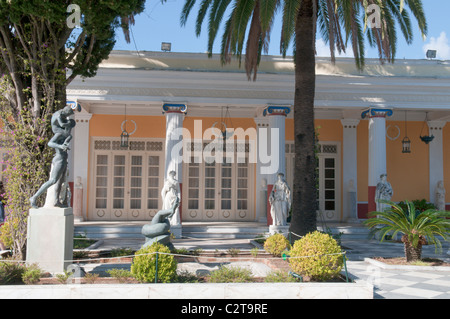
column 176, row 230
column 278, row 229
column 50, row 238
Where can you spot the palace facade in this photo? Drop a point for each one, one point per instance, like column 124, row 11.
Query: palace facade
column 175, row 106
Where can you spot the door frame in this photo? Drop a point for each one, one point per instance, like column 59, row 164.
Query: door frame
column 144, row 147
column 217, row 214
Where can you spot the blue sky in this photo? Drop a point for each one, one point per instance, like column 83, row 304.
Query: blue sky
column 161, row 23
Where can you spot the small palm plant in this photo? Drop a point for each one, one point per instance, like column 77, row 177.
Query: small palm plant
column 418, row 228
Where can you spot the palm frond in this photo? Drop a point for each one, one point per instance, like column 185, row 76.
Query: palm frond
column 290, row 10
column 188, row 5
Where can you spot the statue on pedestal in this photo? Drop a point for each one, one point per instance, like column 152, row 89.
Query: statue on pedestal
column 383, row 191
column 61, row 127
column 440, row 196
column 170, row 193
column 280, row 201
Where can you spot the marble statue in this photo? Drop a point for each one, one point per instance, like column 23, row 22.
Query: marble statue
column 171, row 193
column 159, row 228
column 61, row 127
column 280, row 201
column 440, row 196
column 383, row 192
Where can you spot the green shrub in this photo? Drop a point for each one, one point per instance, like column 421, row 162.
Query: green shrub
column 121, row 252
column 316, row 256
column 32, row 275
column 63, row 278
column 279, row 276
column 91, row 277
column 276, row 244
column 420, row 205
column 186, row 277
column 11, row 273
column 231, row 274
column 121, row 275
column 143, row 267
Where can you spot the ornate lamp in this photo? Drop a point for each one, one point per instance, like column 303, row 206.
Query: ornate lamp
column 426, row 138
column 406, row 142
column 124, row 136
column 225, row 122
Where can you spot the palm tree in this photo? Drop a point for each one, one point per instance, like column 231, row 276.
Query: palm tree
column 339, row 21
column 418, row 228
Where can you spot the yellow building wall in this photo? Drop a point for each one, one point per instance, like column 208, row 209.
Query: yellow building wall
column 446, row 155
column 408, row 173
column 110, row 125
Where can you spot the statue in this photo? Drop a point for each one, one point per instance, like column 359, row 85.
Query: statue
column 440, row 196
column 159, row 228
column 170, row 193
column 61, row 127
column 383, row 192
column 280, row 201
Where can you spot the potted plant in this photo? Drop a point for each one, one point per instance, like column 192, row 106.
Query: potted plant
column 417, row 228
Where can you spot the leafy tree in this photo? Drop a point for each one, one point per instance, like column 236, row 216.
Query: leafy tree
column 40, row 54
column 417, row 227
column 339, row 22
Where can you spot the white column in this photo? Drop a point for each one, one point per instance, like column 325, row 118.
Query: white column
column 261, row 179
column 81, row 153
column 173, row 153
column 174, row 123
column 377, row 149
column 436, row 156
column 277, row 118
column 350, row 170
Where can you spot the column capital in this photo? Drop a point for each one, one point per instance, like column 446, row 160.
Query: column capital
column 350, row 123
column 377, row 113
column 276, row 110
column 174, row 108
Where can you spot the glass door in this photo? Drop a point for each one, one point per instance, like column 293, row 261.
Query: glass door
column 126, row 186
column 119, row 186
column 217, row 192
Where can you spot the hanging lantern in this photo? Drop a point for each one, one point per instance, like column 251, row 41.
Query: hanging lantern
column 406, row 145
column 406, row 142
column 124, row 139
column 124, row 136
column 427, row 139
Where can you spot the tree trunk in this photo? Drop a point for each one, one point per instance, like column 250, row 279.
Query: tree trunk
column 304, row 190
column 413, row 253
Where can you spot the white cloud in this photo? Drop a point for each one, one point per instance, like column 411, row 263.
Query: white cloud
column 441, row 45
column 323, row 50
